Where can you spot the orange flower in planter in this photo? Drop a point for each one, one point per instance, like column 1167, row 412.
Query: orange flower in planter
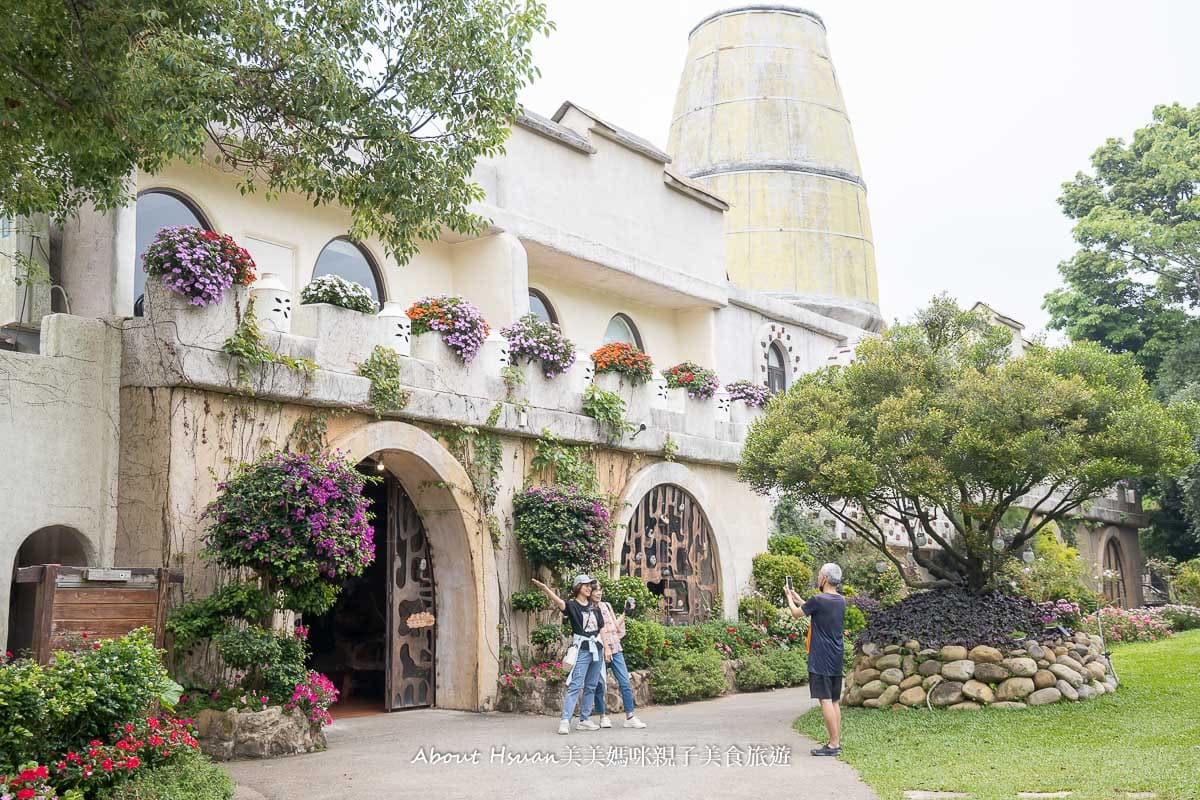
column 624, row 358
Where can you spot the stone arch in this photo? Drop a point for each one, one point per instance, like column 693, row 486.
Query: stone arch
column 467, row 639
column 51, row 544
column 1123, row 589
column 672, row 472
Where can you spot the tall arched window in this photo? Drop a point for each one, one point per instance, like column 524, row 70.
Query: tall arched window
column 621, row 329
column 347, row 259
column 776, row 371
column 1114, row 575
column 540, row 307
column 158, row 209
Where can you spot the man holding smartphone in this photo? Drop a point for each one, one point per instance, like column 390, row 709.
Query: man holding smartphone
column 827, row 610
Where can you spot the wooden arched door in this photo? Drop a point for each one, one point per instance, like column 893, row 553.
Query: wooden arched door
column 411, row 611
column 1114, row 573
column 669, row 545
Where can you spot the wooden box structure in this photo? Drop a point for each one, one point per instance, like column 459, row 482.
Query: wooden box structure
column 106, row 603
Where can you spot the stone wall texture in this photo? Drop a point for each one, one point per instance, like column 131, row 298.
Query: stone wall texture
column 269, row 733
column 1032, row 673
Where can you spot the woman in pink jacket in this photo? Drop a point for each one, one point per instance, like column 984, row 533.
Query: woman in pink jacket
column 611, row 635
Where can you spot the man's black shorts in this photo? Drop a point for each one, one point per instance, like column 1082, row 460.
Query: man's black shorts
column 825, row 687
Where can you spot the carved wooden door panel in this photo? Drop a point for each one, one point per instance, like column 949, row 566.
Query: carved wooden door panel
column 411, row 612
column 669, row 543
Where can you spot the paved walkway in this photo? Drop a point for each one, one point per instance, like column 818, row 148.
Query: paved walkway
column 384, row 756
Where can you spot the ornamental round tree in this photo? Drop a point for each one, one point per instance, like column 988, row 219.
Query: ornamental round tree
column 936, row 420
column 300, row 521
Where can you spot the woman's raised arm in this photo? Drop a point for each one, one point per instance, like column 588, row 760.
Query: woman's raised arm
column 554, row 598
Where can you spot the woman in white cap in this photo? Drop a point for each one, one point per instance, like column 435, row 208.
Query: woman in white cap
column 586, row 622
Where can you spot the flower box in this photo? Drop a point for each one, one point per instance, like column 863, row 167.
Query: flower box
column 636, row 398
column 699, row 418
column 540, row 391
column 742, row 413
column 193, row 325
column 480, row 378
column 345, row 338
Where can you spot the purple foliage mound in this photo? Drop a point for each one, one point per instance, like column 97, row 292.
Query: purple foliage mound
column 955, row 616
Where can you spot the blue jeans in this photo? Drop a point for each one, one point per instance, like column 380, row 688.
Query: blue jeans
column 581, row 686
column 621, row 673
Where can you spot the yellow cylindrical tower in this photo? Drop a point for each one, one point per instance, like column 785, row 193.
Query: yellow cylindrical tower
column 759, row 119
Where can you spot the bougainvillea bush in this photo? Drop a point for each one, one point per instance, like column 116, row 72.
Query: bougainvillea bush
column 535, row 340
column 1120, row 626
column 337, row 291
column 624, row 359
column 701, row 383
column 955, row 616
column 562, row 530
column 296, row 518
column 198, row 264
column 752, row 394
column 461, row 324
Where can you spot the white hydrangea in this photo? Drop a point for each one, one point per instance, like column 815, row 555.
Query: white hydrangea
column 337, row 291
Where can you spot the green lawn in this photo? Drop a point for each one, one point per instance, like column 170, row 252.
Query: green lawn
column 1145, row 738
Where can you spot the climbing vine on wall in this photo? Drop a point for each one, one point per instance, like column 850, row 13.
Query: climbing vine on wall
column 249, row 349
column 480, row 453
column 563, row 464
column 382, row 369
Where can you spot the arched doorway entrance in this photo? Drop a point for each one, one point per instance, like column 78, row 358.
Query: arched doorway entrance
column 1114, row 573
column 669, row 545
column 54, row 544
column 378, row 642
column 434, row 519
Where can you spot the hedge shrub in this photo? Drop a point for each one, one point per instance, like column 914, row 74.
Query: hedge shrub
column 856, row 620
column 784, row 544
column 790, row 666
column 754, row 674
column 770, row 570
column 645, row 602
column 687, row 675
column 756, row 610
column 643, row 643
column 187, row 776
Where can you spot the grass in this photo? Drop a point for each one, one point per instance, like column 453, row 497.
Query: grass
column 1145, row 738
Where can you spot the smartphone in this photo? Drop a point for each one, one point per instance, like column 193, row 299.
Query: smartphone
column 628, row 605
column 787, row 581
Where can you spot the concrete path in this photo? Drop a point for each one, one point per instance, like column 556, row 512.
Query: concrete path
column 733, row 747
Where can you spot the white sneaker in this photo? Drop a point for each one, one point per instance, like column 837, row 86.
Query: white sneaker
column 605, row 722
column 586, row 725
column 634, row 722
column 564, row 727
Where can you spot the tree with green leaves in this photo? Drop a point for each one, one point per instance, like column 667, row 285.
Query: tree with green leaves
column 1134, row 284
column 935, row 420
column 379, row 106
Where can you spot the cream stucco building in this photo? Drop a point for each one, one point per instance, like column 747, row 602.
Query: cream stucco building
column 117, row 421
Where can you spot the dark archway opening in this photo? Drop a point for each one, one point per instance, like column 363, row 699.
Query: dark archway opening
column 56, row 544
column 349, row 642
column 377, row 643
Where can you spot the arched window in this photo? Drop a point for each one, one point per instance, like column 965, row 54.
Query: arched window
column 621, row 329
column 1114, row 575
column 539, row 306
column 345, row 258
column 158, row 209
column 776, row 371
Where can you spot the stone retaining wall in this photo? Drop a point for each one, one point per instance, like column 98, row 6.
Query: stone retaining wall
column 1032, row 673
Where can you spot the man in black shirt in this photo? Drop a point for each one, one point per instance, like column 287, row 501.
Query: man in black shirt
column 827, row 609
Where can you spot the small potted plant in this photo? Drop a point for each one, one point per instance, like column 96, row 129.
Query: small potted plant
column 340, row 315
column 450, row 321
column 623, row 368
column 546, row 354
column 199, row 280
column 745, row 400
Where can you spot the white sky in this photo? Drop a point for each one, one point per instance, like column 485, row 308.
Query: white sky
column 968, row 116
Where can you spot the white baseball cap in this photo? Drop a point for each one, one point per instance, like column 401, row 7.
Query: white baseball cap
column 580, row 580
